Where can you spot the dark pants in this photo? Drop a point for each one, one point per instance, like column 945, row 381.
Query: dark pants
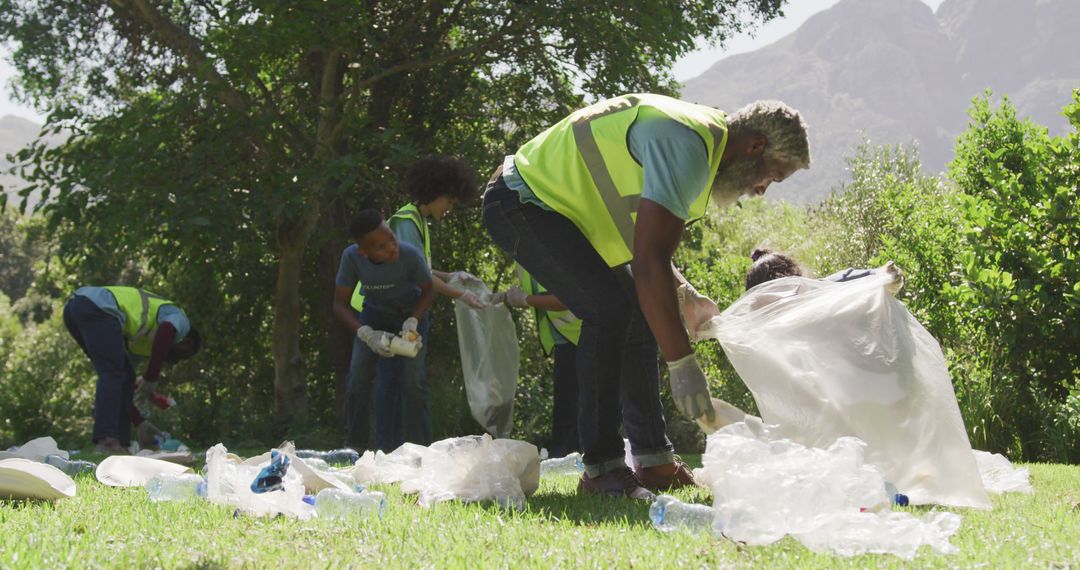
column 98, row 334
column 416, row 409
column 617, row 366
column 564, row 419
column 401, row 395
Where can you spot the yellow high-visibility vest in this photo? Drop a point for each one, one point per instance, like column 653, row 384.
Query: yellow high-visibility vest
column 582, row 167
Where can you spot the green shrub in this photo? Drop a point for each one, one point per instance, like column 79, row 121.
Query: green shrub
column 48, row 386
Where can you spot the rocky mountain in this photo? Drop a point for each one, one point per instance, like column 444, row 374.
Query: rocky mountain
column 894, row 71
column 15, row 133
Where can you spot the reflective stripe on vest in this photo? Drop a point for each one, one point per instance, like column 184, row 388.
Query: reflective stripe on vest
column 140, row 310
column 582, row 167
column 565, row 322
column 407, row 212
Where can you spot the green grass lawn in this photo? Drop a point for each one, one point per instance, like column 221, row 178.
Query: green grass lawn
column 108, row 527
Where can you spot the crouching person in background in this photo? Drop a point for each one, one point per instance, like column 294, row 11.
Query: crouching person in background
column 113, row 326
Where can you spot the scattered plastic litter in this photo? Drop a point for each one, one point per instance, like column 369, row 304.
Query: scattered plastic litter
column 879, row 376
column 761, row 484
column 338, row 504
column 999, row 476
column 167, row 487
column 477, row 468
column 230, row 484
column 71, row 466
column 471, row 468
column 134, row 470
column 25, row 479
column 36, row 449
column 335, row 456
column 271, row 477
column 668, row 514
column 166, row 442
column 569, row 465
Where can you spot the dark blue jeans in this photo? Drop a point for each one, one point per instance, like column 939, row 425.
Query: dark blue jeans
column 617, row 366
column 98, row 334
column 401, row 394
column 416, row 409
column 564, row 417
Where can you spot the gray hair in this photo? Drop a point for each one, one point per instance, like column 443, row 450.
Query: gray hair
column 782, row 126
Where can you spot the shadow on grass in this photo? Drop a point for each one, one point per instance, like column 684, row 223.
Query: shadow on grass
column 588, row 510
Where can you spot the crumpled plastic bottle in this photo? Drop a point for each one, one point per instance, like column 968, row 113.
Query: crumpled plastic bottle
column 668, row 514
column 343, row 455
column 169, row 487
column 569, row 465
column 341, row 504
column 71, row 466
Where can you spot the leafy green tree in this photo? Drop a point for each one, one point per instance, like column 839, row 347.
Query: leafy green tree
column 217, row 146
column 1021, row 275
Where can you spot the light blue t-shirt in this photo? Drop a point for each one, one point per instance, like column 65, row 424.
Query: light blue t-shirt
column 674, row 159
column 105, row 301
column 391, row 286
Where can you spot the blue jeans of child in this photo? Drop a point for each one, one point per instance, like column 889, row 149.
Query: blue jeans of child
column 617, row 365
column 401, row 395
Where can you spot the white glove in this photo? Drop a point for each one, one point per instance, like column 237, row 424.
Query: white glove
column 144, row 396
column 378, row 341
column 898, row 277
column 470, row 299
column 497, row 298
column 515, row 297
column 690, row 389
column 695, row 309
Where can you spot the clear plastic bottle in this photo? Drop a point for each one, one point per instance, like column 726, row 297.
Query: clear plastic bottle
column 344, row 455
column 569, row 465
column 895, row 496
column 169, row 487
column 668, row 514
column 71, row 466
column 340, row 504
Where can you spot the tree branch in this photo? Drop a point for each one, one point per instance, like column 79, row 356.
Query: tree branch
column 184, row 43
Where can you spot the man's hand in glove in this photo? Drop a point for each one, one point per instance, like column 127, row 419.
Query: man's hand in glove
column 696, row 310
column 690, row 389
column 378, row 341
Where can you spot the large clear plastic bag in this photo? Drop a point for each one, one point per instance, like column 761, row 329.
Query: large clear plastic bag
column 766, row 487
column 489, row 359
column 826, row 360
column 229, row 483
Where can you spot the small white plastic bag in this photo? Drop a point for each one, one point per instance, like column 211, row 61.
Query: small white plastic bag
column 489, row 360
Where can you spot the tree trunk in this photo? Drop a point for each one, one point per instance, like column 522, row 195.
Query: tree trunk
column 290, row 384
column 333, row 224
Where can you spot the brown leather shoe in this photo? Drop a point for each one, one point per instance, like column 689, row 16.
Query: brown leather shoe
column 619, row 483
column 667, row 476
column 110, row 446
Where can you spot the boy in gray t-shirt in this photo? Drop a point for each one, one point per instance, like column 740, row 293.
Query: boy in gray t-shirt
column 396, row 285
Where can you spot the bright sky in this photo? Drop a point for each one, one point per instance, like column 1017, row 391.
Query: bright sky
column 695, row 63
